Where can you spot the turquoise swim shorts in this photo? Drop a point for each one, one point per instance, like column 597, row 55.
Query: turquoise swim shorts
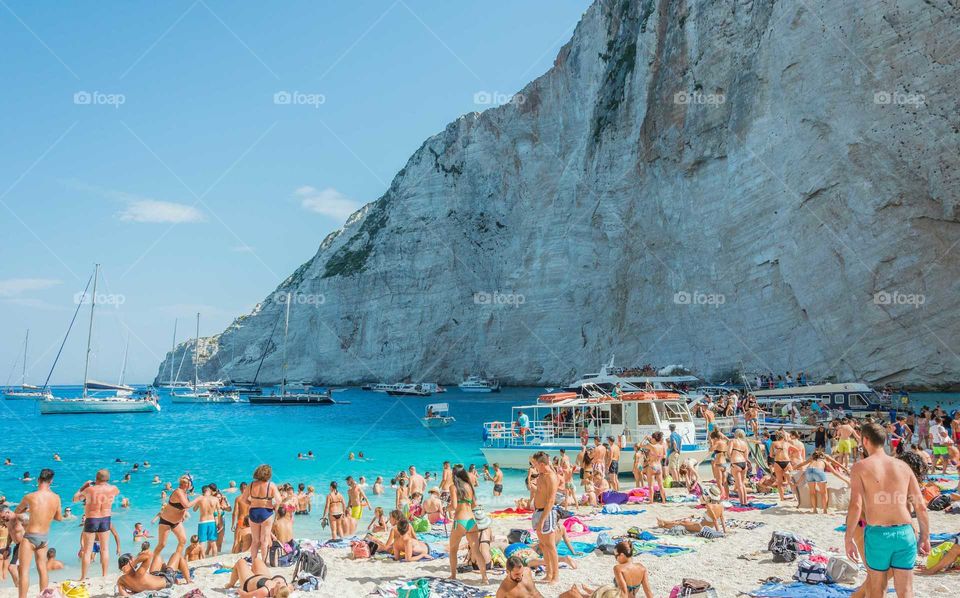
column 890, row 546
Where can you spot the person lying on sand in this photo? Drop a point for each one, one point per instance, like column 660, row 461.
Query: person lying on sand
column 712, row 517
column 144, row 573
column 406, row 546
column 950, row 560
column 255, row 580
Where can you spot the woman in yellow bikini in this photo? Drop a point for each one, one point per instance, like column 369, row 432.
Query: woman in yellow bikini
column 462, row 500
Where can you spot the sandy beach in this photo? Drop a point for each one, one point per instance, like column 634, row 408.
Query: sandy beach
column 717, row 561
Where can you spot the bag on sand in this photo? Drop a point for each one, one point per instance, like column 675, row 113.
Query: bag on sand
column 74, row 589
column 812, row 573
column 415, row 589
column 518, row 536
column 939, row 503
column 360, row 549
column 421, row 525
column 842, row 570
column 694, row 587
column 310, row 563
column 783, row 546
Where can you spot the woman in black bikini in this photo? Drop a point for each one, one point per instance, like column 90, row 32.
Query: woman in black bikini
column 720, row 445
column 779, row 451
column 255, row 580
column 171, row 519
column 738, row 464
column 334, row 506
column 263, row 497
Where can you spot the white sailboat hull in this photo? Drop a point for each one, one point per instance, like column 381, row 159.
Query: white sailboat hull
column 92, row 405
column 26, row 396
column 204, row 398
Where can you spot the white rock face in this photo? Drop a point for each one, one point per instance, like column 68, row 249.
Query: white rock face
column 725, row 184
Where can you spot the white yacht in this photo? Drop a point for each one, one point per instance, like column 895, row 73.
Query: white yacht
column 479, row 384
column 26, row 391
column 203, row 392
column 106, row 398
column 409, row 390
column 557, row 420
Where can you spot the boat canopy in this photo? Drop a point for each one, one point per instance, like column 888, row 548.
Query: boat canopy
column 438, row 408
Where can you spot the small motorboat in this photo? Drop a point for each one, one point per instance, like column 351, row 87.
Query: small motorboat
column 437, row 416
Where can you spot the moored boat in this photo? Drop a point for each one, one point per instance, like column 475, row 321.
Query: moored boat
column 479, row 384
column 409, row 390
column 437, row 416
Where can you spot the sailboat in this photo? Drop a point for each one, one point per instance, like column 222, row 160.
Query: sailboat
column 173, row 382
column 115, row 399
column 287, row 397
column 201, row 393
column 26, row 391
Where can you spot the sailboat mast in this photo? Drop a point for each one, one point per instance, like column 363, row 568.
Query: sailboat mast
column 123, row 369
column 173, row 348
column 196, row 357
column 283, row 372
column 93, row 304
column 26, row 341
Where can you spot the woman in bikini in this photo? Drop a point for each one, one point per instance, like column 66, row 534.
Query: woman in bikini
column 653, row 467
column 402, row 502
column 263, row 497
column 815, row 472
column 406, row 546
column 462, row 499
column 637, row 466
column 712, row 518
column 629, row 576
column 256, row 582
column 171, row 517
column 719, row 444
column 738, row 464
column 779, row 451
column 334, row 507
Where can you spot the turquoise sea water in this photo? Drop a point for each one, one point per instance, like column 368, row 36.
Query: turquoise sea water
column 223, row 442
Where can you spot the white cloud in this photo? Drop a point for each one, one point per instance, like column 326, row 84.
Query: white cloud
column 156, row 211
column 328, row 202
column 13, row 287
column 143, row 209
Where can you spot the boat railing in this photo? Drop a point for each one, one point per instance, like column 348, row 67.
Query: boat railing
column 502, row 434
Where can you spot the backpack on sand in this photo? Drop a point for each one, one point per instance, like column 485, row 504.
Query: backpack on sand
column 310, row 563
column 842, row 570
column 812, row 573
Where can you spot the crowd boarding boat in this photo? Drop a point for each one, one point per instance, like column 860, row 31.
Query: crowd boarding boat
column 26, row 391
column 437, row 416
column 303, row 396
column 479, row 384
column 98, row 397
column 562, row 420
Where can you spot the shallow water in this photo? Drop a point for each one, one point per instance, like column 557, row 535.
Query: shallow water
column 223, row 442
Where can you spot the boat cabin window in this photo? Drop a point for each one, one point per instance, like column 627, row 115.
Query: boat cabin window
column 839, row 400
column 672, row 412
column 616, row 414
column 645, row 415
column 825, row 399
column 857, row 401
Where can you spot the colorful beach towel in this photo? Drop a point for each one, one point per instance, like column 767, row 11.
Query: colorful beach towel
column 584, row 548
column 656, row 549
column 801, row 590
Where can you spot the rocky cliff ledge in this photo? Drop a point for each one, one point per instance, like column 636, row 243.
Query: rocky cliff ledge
column 727, row 184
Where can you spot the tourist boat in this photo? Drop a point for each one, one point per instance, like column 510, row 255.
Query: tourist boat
column 26, row 391
column 437, row 416
column 559, row 420
column 610, row 375
column 849, row 397
column 478, row 384
column 103, row 400
column 381, row 387
column 409, row 390
column 303, row 396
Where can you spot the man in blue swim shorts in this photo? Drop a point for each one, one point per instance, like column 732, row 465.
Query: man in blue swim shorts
column 884, row 492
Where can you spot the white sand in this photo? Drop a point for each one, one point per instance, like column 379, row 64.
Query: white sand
column 714, row 560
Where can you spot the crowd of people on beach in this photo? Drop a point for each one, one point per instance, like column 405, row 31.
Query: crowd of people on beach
column 885, row 464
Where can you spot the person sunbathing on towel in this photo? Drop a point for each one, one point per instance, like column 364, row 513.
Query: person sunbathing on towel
column 712, row 517
column 949, row 560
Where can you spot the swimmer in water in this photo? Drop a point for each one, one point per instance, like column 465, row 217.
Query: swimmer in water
column 231, row 487
column 56, row 457
column 8, row 462
column 352, row 457
column 157, row 480
column 26, row 477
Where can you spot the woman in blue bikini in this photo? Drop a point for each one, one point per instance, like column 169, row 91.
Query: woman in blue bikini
column 263, row 497
column 630, row 577
column 462, row 500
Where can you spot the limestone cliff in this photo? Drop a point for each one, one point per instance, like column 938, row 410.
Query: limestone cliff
column 728, row 184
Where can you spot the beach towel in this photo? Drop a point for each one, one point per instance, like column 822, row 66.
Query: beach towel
column 439, row 588
column 575, row 527
column 510, row 512
column 614, row 497
column 743, row 524
column 584, row 548
column 627, row 512
column 800, row 590
column 655, row 549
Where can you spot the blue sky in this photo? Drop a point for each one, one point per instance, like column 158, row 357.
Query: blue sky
column 149, row 137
